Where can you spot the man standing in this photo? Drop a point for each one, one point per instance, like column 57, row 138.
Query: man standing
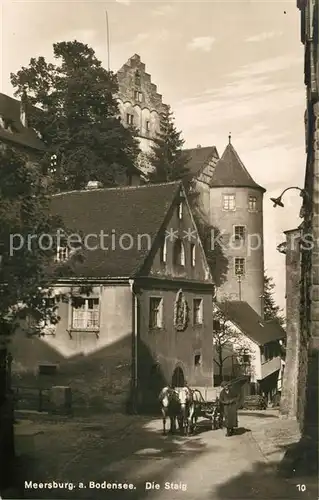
column 229, row 402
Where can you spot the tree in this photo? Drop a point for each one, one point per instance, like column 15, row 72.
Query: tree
column 229, row 343
column 271, row 310
column 25, row 269
column 167, row 158
column 73, row 106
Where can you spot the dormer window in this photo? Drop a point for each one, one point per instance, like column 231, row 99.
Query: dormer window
column 62, row 254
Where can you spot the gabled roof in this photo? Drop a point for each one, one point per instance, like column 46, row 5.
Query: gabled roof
column 20, row 135
column 134, row 211
column 199, row 158
column 231, row 172
column 250, row 323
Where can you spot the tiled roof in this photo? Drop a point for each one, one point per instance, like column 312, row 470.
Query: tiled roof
column 231, row 172
column 250, row 323
column 199, row 157
column 23, row 136
column 130, row 210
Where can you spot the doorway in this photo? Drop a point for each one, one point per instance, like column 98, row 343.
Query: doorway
column 178, row 379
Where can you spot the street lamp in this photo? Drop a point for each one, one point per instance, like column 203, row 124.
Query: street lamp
column 278, row 201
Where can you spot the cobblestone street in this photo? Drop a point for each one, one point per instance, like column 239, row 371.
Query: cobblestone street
column 123, row 449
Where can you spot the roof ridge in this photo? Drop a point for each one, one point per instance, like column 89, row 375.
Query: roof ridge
column 119, row 188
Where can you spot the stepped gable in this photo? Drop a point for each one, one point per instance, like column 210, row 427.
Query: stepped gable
column 231, row 172
column 199, row 158
column 134, row 211
column 11, row 127
column 126, row 81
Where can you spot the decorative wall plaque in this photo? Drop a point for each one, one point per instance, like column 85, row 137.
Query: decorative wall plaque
column 181, row 315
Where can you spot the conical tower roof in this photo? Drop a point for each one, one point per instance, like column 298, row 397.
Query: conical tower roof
column 231, row 172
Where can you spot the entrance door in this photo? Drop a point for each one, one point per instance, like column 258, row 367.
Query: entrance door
column 178, row 379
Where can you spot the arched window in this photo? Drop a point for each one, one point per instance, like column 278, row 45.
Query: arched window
column 193, row 254
column 179, row 253
column 164, row 251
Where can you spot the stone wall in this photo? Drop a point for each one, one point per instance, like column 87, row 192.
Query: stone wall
column 309, row 306
column 289, row 396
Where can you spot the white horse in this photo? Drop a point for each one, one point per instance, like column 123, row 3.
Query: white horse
column 186, row 410
column 170, row 407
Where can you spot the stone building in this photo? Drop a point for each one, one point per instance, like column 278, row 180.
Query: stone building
column 310, row 258
column 14, row 133
column 292, row 395
column 232, row 204
column 146, row 320
column 140, row 104
column 258, row 348
column 14, row 129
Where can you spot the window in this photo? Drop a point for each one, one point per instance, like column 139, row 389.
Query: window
column 198, row 311
column 86, row 316
column 180, row 210
column 197, row 360
column 229, row 202
column 156, row 312
column 62, row 254
column 137, row 78
column 252, row 203
column 129, row 119
column 239, row 232
column 147, row 125
column 193, row 255
column 239, row 266
column 179, row 253
column 164, row 251
column 138, row 96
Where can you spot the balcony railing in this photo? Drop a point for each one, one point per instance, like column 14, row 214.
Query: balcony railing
column 271, row 366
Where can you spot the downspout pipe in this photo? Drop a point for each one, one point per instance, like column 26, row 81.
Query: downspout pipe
column 134, row 347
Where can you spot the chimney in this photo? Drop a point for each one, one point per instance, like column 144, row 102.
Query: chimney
column 198, row 146
column 93, row 185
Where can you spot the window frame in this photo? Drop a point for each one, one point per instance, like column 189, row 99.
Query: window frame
column 201, row 311
column 250, row 197
column 244, row 262
column 163, row 251
column 193, row 255
column 239, row 237
column 61, row 249
column 182, row 257
column 86, row 309
column 180, row 210
column 151, row 326
column 228, row 195
column 129, row 119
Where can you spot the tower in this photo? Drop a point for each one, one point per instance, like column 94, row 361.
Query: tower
column 236, row 211
column 140, row 104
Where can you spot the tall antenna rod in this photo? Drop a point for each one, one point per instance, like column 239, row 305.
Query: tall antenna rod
column 107, row 40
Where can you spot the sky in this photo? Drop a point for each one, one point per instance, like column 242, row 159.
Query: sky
column 223, row 66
